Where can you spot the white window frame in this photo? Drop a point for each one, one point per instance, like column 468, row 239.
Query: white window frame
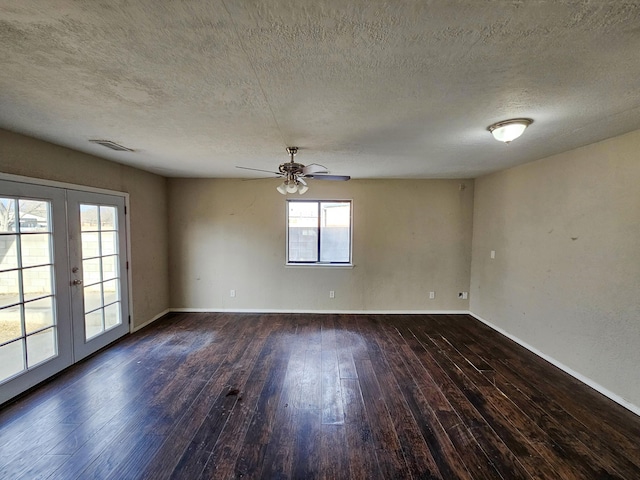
column 348, row 264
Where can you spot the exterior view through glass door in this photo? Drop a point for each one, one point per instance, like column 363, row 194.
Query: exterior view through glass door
column 50, row 238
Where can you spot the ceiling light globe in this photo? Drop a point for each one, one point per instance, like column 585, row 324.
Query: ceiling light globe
column 509, row 130
column 302, row 189
column 282, row 188
column 292, row 188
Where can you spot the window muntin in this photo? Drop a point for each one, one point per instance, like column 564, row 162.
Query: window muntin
column 319, row 232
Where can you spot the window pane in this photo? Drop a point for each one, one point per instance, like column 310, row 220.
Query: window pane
column 335, row 229
column 10, row 324
column 90, row 244
column 91, row 271
column 112, row 315
column 93, row 324
column 38, row 314
column 303, row 231
column 110, row 290
column 36, row 249
column 40, row 346
column 108, row 218
column 109, row 269
column 7, row 215
column 92, row 297
column 9, row 292
column 109, row 240
column 34, row 216
column 11, row 359
column 326, row 239
column 89, row 218
column 36, row 282
column 8, row 252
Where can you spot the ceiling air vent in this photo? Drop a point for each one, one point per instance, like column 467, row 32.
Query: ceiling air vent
column 112, row 145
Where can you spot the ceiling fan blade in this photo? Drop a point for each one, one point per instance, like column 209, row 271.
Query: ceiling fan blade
column 260, row 170
column 260, row 178
column 329, row 177
column 314, row 168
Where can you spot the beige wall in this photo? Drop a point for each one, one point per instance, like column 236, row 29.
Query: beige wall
column 20, row 155
column 566, row 277
column 410, row 237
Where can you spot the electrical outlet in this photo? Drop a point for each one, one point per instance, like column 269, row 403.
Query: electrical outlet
column 232, row 293
column 463, row 295
column 332, row 294
column 493, row 254
column 432, row 295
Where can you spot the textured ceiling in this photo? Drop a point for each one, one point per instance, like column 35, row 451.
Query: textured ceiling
column 368, row 88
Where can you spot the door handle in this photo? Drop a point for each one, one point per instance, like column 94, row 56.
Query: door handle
column 77, row 282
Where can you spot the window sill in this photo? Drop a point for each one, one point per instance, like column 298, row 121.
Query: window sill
column 320, row 265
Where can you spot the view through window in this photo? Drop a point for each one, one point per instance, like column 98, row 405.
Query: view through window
column 319, row 231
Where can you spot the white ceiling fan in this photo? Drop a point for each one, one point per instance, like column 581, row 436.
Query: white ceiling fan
column 295, row 174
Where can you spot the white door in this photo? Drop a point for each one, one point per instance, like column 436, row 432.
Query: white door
column 97, row 256
column 35, row 327
column 48, row 319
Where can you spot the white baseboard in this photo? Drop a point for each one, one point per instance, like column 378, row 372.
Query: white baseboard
column 148, row 322
column 587, row 381
column 347, row 312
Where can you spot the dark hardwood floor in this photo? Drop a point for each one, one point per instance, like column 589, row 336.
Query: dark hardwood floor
column 316, row 396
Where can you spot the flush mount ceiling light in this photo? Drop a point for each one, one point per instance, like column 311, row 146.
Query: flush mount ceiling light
column 509, row 130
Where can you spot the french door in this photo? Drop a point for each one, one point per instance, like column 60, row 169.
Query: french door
column 97, row 247
column 63, row 282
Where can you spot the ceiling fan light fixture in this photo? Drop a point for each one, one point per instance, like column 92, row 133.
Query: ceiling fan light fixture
column 282, row 188
column 292, row 187
column 508, row 130
column 294, row 174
